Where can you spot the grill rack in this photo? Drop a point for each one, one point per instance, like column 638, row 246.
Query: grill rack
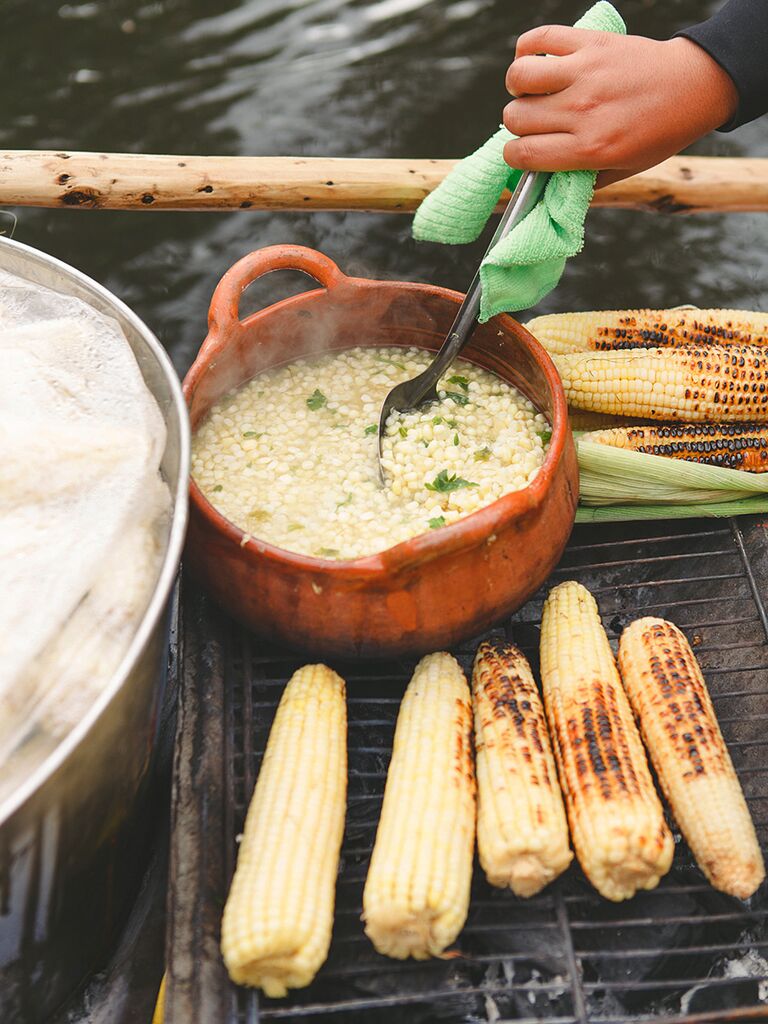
column 681, row 953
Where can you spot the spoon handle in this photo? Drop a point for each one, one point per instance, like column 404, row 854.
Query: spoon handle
column 528, row 192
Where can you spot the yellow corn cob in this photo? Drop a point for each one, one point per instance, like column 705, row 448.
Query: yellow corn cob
column 278, row 917
column 648, row 328
column 672, row 703
column 719, row 383
column 732, row 445
column 417, row 891
column 522, row 833
column 617, row 822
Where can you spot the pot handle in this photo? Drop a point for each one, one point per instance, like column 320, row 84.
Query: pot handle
column 224, row 311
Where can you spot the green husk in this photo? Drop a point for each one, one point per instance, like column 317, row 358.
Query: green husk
column 616, row 484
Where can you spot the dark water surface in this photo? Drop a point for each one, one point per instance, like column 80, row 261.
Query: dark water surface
column 397, row 78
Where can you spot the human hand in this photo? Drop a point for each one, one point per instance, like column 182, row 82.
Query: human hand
column 610, row 103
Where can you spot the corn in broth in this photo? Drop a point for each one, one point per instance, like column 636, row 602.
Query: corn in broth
column 522, row 832
column 648, row 328
column 729, row 445
column 617, row 823
column 672, row 703
column 278, row 917
column 416, row 894
column 718, row 383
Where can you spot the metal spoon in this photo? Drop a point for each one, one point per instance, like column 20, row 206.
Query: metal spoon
column 421, row 389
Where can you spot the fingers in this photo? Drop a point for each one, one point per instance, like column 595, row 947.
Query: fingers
column 543, row 153
column 539, row 75
column 558, row 40
column 536, row 115
column 611, row 177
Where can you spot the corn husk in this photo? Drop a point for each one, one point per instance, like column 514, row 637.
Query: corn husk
column 616, row 484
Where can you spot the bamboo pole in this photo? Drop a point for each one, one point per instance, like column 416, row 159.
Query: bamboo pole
column 128, row 181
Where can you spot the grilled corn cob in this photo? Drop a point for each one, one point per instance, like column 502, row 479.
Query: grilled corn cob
column 648, row 328
column 717, row 382
column 581, row 420
column 417, row 891
column 672, row 703
column 522, row 833
column 732, row 445
column 279, row 913
column 617, row 823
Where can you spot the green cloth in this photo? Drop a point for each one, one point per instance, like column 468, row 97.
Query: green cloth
column 527, row 264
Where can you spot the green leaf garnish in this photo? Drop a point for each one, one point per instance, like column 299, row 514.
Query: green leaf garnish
column 390, row 362
column 545, row 435
column 372, row 429
column 452, row 423
column 456, row 440
column 458, row 398
column 437, row 522
column 402, row 431
column 462, row 382
column 252, row 433
column 317, row 400
column 437, row 420
column 258, row 515
column 483, row 454
column 218, row 487
column 446, row 482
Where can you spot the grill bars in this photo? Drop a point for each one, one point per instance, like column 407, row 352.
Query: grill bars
column 680, row 953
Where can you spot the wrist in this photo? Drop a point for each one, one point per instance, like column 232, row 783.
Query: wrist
column 717, row 96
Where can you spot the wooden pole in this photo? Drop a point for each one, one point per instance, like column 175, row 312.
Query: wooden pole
column 127, row 181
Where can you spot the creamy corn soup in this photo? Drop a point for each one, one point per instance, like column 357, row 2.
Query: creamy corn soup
column 290, row 457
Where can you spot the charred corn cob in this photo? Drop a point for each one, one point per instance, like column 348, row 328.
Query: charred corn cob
column 617, row 822
column 672, row 703
column 720, row 383
column 417, row 891
column 580, row 420
column 732, row 445
column 648, row 328
column 279, row 913
column 522, row 833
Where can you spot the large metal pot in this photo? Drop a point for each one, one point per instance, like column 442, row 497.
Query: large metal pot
column 429, row 591
column 73, row 836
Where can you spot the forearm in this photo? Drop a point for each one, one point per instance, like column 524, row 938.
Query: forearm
column 737, row 38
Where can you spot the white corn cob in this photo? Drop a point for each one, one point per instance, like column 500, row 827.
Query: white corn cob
column 522, row 832
column 723, row 383
column 617, row 823
column 648, row 328
column 417, row 891
column 672, row 703
column 278, row 918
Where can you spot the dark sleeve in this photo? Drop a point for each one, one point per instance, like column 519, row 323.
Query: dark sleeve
column 737, row 38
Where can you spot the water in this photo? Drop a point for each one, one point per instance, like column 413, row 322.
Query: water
column 396, row 78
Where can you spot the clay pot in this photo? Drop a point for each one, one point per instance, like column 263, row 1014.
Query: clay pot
column 428, row 592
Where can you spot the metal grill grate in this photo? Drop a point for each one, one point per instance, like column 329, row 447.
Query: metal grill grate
column 566, row 956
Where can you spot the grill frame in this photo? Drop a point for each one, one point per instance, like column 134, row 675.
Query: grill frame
column 708, row 576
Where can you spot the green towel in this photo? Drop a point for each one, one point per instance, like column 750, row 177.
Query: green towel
column 528, row 263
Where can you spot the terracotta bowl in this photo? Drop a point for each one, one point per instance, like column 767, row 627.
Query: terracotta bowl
column 423, row 594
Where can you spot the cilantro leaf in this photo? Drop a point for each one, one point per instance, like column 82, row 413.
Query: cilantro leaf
column 546, row 436
column 372, row 429
column 462, row 382
column 458, row 398
column 446, row 482
column 316, row 400
column 483, row 454
column 437, row 522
